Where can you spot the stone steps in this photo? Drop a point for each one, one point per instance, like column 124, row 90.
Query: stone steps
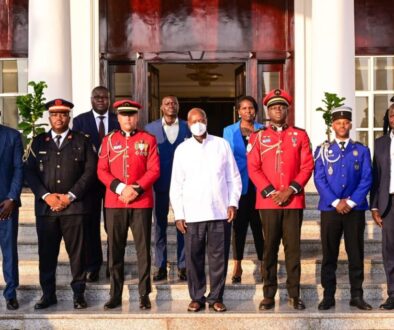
column 310, row 265
column 173, row 289
column 170, row 298
column 173, row 315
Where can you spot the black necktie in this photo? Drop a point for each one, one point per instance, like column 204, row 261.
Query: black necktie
column 342, row 143
column 58, row 137
column 101, row 129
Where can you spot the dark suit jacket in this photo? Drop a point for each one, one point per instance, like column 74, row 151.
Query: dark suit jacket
column 166, row 150
column 11, row 165
column 86, row 123
column 72, row 168
column 379, row 196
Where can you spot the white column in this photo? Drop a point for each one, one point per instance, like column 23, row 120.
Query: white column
column 85, row 52
column 50, row 46
column 333, row 51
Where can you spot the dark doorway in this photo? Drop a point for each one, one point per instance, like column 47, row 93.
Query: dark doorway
column 213, row 87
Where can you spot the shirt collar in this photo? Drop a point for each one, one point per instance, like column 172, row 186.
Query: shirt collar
column 63, row 135
column 96, row 114
column 391, row 134
column 346, row 141
column 164, row 123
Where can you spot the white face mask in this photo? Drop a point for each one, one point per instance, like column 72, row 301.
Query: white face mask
column 198, row 129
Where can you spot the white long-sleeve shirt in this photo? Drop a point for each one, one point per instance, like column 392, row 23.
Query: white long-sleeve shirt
column 205, row 180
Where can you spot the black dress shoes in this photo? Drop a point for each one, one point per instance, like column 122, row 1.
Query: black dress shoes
column 160, row 275
column 326, row 304
column 45, row 302
column 92, row 276
column 80, row 302
column 388, row 304
column 182, row 274
column 112, row 303
column 296, row 303
column 360, row 304
column 12, row 304
column 266, row 304
column 145, row 302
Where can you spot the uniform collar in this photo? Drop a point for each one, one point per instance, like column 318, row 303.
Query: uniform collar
column 128, row 133
column 277, row 128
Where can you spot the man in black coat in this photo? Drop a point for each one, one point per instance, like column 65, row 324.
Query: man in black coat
column 96, row 123
column 382, row 199
column 60, row 169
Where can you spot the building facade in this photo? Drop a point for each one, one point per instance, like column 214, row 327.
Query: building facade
column 208, row 53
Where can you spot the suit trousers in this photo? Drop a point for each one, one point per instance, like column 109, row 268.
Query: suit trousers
column 352, row 226
column 50, row 230
column 94, row 254
column 247, row 214
column 8, row 244
column 388, row 246
column 162, row 202
column 285, row 225
column 119, row 220
column 215, row 236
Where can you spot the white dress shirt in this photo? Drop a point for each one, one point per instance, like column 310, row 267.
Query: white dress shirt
column 205, row 180
column 171, row 130
column 105, row 120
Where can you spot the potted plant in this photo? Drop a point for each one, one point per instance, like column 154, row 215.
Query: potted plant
column 331, row 100
column 31, row 108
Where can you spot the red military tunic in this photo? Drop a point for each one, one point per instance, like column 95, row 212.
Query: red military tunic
column 130, row 159
column 277, row 160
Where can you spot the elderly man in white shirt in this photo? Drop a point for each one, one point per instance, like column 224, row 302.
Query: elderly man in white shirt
column 205, row 190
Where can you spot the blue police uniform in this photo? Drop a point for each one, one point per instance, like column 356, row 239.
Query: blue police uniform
column 342, row 174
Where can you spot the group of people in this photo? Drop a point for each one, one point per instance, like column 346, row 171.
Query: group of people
column 216, row 186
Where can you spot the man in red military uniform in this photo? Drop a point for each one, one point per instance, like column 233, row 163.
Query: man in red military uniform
column 280, row 163
column 128, row 166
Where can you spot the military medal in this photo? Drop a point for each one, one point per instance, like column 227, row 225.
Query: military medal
column 355, row 153
column 330, row 170
column 294, row 140
column 356, row 166
column 141, row 148
column 41, row 167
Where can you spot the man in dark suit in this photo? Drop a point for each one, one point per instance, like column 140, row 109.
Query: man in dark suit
column 11, row 178
column 382, row 206
column 96, row 123
column 169, row 131
column 60, row 169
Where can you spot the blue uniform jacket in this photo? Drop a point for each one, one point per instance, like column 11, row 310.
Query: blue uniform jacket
column 233, row 135
column 346, row 174
column 11, row 168
column 86, row 123
column 166, row 150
